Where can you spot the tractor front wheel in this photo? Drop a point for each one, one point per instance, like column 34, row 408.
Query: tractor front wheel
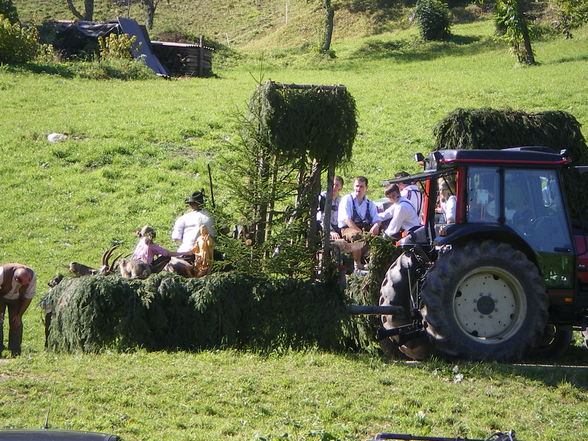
column 396, row 291
column 484, row 301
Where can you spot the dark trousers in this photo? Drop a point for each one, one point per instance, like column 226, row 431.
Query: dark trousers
column 159, row 264
column 15, row 332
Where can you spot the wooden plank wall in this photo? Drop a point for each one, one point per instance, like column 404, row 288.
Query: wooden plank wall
column 184, row 59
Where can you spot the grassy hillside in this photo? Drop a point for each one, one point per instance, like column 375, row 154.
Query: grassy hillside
column 234, row 23
column 138, row 148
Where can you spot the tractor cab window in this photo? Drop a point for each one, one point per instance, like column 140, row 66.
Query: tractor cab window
column 483, row 194
column 534, row 208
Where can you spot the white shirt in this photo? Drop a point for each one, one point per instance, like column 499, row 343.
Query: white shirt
column 334, row 209
column 187, row 228
column 449, row 208
column 403, row 217
column 414, row 196
column 14, row 293
column 346, row 210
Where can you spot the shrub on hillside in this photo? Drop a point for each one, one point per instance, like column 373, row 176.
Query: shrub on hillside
column 112, row 68
column 116, row 47
column 8, row 10
column 17, row 44
column 433, row 19
column 569, row 15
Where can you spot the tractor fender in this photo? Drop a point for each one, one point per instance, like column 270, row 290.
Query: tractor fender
column 458, row 234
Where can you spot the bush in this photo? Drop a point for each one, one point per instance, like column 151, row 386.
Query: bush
column 116, row 47
column 112, row 68
column 17, row 44
column 433, row 19
column 8, row 10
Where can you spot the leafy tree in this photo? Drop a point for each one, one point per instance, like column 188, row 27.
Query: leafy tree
column 433, row 19
column 8, row 10
column 511, row 20
column 88, row 14
column 570, row 14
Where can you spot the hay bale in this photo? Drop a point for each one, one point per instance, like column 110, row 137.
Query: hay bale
column 296, row 314
column 87, row 312
column 168, row 312
column 487, row 128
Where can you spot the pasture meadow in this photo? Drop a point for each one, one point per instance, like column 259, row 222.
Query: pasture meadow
column 136, row 149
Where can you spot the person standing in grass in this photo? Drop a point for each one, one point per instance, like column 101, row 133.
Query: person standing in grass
column 18, row 285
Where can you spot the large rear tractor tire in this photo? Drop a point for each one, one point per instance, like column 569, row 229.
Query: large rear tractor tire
column 484, row 301
column 395, row 291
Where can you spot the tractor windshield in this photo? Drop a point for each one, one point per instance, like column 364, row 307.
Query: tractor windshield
column 534, row 208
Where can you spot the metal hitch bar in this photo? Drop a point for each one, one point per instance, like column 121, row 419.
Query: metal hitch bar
column 498, row 436
column 374, row 310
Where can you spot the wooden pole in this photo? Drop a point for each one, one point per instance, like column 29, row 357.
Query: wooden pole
column 210, row 182
column 201, row 57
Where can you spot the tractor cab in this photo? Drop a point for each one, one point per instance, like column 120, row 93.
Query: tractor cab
column 513, row 195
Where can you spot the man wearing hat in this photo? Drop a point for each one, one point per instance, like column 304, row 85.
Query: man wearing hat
column 17, row 288
column 187, row 227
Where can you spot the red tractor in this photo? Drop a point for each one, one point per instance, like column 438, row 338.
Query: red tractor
column 507, row 276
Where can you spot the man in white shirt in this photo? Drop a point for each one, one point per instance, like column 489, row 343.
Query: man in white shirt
column 187, row 227
column 402, row 215
column 411, row 192
column 18, row 285
column 357, row 214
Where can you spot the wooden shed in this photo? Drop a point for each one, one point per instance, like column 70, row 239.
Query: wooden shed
column 184, row 59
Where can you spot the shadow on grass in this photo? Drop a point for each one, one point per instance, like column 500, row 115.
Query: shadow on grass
column 569, row 59
column 571, row 369
column 61, row 70
column 407, row 51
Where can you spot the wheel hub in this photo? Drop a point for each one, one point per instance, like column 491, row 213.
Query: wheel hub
column 486, row 304
column 489, row 304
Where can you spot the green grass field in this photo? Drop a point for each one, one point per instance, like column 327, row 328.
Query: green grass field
column 138, row 148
